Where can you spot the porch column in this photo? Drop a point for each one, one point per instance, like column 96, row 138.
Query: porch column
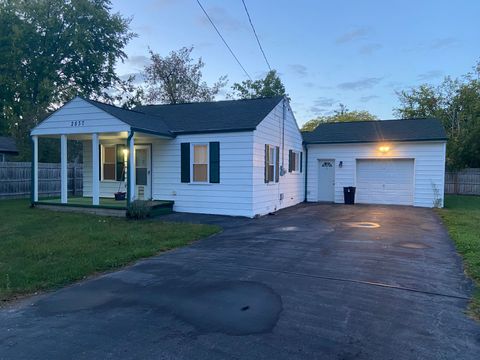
column 34, row 168
column 95, row 170
column 131, row 168
column 63, row 169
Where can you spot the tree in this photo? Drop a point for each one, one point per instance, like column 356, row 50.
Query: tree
column 455, row 102
column 342, row 114
column 177, row 78
column 269, row 86
column 51, row 50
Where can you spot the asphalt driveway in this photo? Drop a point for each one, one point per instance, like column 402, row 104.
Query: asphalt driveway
column 314, row 281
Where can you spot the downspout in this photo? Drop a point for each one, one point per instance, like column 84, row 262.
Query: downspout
column 127, row 173
column 283, row 136
column 32, row 185
column 306, row 170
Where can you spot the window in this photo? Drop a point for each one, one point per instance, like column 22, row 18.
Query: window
column 200, row 163
column 109, row 158
column 271, row 163
column 295, row 159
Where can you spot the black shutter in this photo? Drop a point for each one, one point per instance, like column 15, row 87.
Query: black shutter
column 185, row 162
column 290, row 162
column 267, row 153
column 214, row 162
column 301, row 161
column 277, row 164
column 120, row 172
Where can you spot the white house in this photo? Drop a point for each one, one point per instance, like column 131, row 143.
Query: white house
column 242, row 157
column 228, row 157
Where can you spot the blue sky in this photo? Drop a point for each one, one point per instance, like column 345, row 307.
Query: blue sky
column 327, row 52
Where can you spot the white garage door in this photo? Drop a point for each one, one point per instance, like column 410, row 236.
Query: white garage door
column 385, row 181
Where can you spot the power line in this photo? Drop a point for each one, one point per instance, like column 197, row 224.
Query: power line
column 256, row 36
column 224, row 41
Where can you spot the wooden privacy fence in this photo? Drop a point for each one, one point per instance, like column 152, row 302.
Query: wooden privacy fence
column 16, row 181
column 463, row 182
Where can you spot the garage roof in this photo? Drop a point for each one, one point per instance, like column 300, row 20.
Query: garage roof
column 424, row 129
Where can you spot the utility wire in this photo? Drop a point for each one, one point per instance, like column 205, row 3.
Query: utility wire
column 256, row 36
column 223, row 39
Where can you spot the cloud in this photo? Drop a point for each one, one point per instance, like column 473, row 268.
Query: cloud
column 324, row 101
column 443, row 43
column 139, row 79
column 370, row 49
column 354, row 35
column 138, row 60
column 222, row 19
column 298, row 69
column 436, row 44
column 317, row 110
column 309, row 84
column 368, row 98
column 365, row 83
column 429, row 75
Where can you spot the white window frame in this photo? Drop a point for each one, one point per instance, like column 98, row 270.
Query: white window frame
column 192, row 160
column 103, row 146
column 297, row 156
column 273, row 161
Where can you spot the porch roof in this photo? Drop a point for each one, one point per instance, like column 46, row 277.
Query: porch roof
column 137, row 120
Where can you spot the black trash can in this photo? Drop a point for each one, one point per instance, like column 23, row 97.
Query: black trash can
column 349, row 195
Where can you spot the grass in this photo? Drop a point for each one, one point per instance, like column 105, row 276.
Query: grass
column 43, row 250
column 461, row 215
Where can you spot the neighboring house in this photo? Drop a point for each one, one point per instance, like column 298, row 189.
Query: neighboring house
column 243, row 157
column 390, row 162
column 7, row 148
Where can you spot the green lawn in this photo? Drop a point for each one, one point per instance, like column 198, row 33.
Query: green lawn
column 41, row 249
column 461, row 215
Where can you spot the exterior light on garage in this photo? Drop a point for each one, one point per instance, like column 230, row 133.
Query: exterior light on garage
column 384, row 149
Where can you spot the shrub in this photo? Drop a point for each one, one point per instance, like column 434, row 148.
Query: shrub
column 138, row 210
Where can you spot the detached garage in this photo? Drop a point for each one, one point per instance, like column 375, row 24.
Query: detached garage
column 398, row 162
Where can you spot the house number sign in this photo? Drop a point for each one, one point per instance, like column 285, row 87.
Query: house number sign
column 77, row 123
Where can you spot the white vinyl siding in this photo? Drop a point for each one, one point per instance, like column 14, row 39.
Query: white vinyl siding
column 80, row 117
column 266, row 196
column 232, row 196
column 429, row 166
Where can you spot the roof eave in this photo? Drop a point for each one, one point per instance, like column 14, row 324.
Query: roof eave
column 213, row 131
column 370, row 141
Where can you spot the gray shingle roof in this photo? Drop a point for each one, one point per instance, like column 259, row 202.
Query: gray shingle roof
column 374, row 131
column 137, row 120
column 204, row 117
column 217, row 116
column 7, row 145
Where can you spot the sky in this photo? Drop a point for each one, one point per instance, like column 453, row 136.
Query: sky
column 354, row 52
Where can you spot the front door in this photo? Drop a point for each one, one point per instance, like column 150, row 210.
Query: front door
column 143, row 173
column 326, row 180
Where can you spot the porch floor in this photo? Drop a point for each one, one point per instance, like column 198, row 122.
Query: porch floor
column 106, row 203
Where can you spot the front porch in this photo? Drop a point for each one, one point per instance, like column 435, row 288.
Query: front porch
column 106, row 206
